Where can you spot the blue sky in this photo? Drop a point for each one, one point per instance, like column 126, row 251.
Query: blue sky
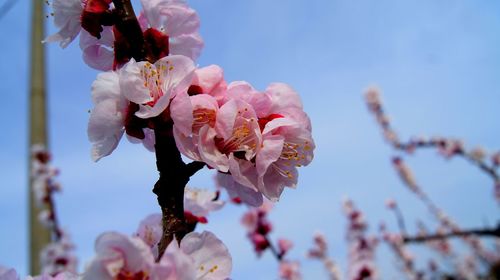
column 436, row 61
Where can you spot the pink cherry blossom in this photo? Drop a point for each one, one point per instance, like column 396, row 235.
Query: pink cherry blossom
column 60, row 276
column 200, row 202
column 234, row 140
column 191, row 113
column 290, row 270
column 293, row 132
column 150, row 231
column 199, row 256
column 237, row 191
column 66, row 17
column 210, row 80
column 106, row 123
column 258, row 227
column 98, row 53
column 107, row 119
column 113, row 90
column 8, row 273
column 58, row 257
column 176, row 20
column 152, row 86
column 120, row 257
column 201, row 110
column 284, row 245
column 210, row 257
column 286, row 139
column 259, row 138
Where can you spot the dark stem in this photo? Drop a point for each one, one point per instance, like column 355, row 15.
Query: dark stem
column 492, row 232
column 56, row 230
column 273, row 250
column 127, row 24
column 400, row 219
column 174, row 175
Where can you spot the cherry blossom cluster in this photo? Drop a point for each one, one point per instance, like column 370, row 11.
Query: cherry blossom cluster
column 57, row 256
column 198, row 256
column 320, row 252
column 258, row 138
column 168, row 27
column 11, row 274
column 152, row 91
column 258, row 227
column 118, row 256
column 361, row 246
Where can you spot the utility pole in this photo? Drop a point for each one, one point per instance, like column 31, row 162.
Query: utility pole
column 39, row 236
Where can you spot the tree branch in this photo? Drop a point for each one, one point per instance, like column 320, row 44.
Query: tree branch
column 174, row 173
column 376, row 108
column 128, row 26
column 485, row 232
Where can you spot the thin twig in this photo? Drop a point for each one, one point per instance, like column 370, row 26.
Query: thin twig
column 484, row 232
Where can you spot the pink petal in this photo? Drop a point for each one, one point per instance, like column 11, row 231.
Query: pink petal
column 132, row 82
column 211, row 258
column 176, row 264
column 97, row 53
column 186, row 145
column 283, row 96
column 247, row 195
column 189, row 45
column 208, row 77
column 181, row 112
column 209, row 152
column 269, row 152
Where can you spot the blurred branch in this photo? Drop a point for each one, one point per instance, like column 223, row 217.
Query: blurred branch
column 491, row 232
column 441, row 144
column 448, row 147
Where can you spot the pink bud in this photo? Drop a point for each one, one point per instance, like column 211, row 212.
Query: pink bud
column 284, row 245
column 390, row 203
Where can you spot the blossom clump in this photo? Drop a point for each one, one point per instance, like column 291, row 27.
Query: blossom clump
column 198, row 256
column 256, row 140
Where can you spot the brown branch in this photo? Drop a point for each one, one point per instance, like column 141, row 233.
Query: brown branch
column 278, row 255
column 376, row 108
column 174, row 175
column 56, row 229
column 489, row 170
column 485, row 232
column 128, row 26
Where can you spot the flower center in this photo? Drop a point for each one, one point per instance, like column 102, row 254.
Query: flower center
column 202, row 117
column 241, row 140
column 127, row 275
column 154, row 79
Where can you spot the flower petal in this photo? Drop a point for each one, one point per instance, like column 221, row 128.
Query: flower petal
column 211, row 258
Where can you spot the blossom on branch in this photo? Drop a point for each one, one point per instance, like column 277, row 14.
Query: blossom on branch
column 66, row 17
column 177, row 21
column 259, row 138
column 199, row 256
